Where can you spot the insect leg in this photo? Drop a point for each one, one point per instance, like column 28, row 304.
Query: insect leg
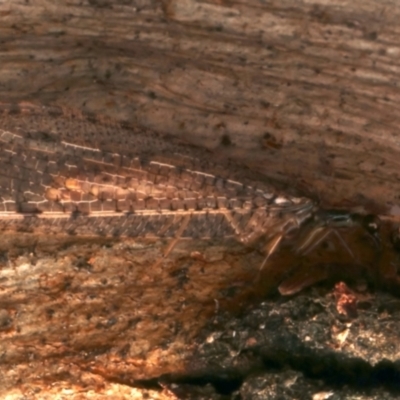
column 284, row 228
column 232, row 222
column 339, row 236
column 177, row 236
column 174, row 241
column 312, row 241
column 271, row 247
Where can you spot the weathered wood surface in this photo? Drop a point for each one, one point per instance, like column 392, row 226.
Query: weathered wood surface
column 305, row 92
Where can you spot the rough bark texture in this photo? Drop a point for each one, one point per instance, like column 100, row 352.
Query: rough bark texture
column 306, row 90
column 302, row 91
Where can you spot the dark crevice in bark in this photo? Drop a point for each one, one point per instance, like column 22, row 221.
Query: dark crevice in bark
column 334, row 370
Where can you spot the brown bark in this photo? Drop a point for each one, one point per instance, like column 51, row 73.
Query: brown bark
column 305, row 92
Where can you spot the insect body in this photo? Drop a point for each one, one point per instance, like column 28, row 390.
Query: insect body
column 61, row 173
column 326, row 223
column 337, row 243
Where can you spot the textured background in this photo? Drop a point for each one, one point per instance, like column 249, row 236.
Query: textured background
column 305, row 90
column 302, row 91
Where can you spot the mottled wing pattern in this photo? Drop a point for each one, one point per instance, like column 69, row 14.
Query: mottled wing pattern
column 64, row 172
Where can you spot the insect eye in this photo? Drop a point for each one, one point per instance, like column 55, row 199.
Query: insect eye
column 371, row 223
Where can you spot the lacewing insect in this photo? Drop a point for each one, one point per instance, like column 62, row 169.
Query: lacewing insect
column 65, row 173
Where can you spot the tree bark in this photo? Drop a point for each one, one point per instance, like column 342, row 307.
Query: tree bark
column 303, row 92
